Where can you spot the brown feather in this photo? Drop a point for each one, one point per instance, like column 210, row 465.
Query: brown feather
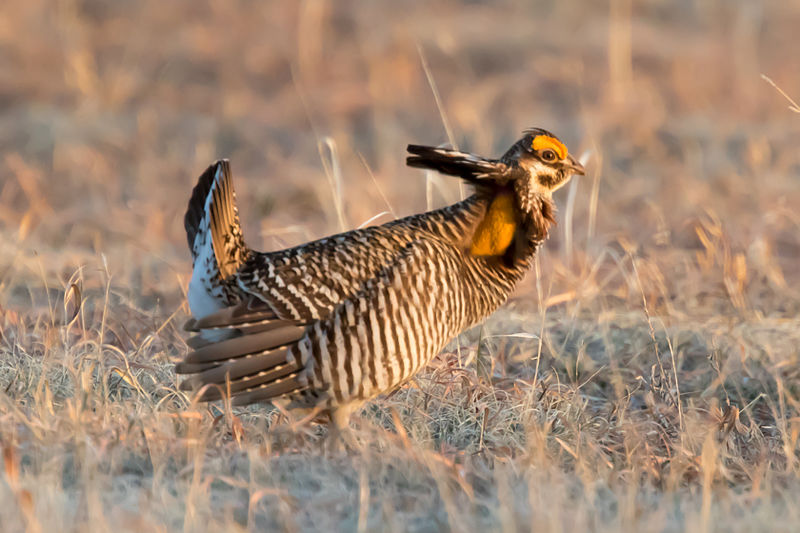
column 191, row 368
column 241, row 367
column 246, row 344
column 231, row 316
column 197, row 341
column 249, row 382
column 220, row 225
column 273, row 390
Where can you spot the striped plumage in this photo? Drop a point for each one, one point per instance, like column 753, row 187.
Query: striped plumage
column 335, row 322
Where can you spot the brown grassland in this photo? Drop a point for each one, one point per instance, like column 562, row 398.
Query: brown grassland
column 644, row 377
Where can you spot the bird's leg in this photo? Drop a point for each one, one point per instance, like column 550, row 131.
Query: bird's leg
column 340, row 435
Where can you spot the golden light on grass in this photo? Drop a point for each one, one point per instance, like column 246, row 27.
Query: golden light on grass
column 645, row 377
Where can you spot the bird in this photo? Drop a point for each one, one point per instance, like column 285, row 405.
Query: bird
column 328, row 325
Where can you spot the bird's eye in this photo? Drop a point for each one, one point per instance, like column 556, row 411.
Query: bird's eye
column 548, row 155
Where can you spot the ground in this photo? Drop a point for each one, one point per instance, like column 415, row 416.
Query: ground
column 644, row 377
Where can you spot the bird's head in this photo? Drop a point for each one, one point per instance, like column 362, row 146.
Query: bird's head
column 538, row 162
column 542, row 159
column 518, row 188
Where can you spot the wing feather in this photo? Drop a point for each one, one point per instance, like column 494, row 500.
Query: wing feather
column 467, row 166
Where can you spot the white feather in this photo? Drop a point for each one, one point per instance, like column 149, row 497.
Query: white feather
column 201, row 295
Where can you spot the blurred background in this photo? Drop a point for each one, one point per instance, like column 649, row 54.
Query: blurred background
column 110, row 110
column 675, row 260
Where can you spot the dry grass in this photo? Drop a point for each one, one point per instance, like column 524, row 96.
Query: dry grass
column 645, row 378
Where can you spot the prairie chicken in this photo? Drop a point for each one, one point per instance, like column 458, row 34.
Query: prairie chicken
column 327, row 325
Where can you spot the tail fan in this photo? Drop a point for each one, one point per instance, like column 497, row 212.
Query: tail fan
column 470, row 167
column 215, row 238
column 212, row 210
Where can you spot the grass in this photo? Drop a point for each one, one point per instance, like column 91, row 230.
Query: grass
column 645, row 376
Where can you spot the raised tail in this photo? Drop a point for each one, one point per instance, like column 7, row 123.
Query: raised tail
column 215, row 239
column 470, row 167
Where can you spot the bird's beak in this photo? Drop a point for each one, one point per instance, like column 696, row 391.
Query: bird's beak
column 574, row 165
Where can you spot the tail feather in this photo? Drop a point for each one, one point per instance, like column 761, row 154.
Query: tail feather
column 470, row 167
column 196, row 212
column 215, row 240
column 212, row 212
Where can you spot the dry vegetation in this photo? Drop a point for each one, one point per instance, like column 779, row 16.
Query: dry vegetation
column 645, row 377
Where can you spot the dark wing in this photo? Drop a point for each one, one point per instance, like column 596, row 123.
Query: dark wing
column 253, row 352
column 372, row 342
column 470, row 167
